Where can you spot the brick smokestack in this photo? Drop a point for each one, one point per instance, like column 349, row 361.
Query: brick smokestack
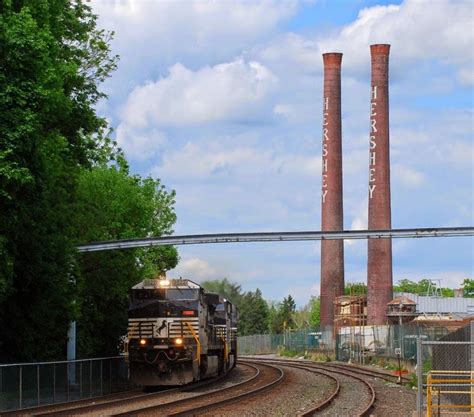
column 332, row 251
column 379, row 265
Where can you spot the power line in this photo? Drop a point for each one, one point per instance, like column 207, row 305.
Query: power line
column 275, row 237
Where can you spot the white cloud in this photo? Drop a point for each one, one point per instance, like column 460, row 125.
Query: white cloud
column 407, row 176
column 305, row 292
column 228, row 159
column 195, row 269
column 140, row 145
column 418, row 30
column 231, row 91
column 159, row 32
column 185, row 126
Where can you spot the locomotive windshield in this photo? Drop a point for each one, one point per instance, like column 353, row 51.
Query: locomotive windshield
column 166, row 294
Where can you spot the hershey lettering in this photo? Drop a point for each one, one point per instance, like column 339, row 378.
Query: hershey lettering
column 373, row 141
column 324, row 186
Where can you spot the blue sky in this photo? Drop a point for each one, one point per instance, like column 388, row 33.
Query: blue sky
column 223, row 101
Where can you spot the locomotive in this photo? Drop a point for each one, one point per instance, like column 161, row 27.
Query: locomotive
column 178, row 333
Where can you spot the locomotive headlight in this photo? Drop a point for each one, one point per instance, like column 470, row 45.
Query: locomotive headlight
column 143, row 342
column 178, row 341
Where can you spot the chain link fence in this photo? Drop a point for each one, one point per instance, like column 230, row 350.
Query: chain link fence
column 32, row 384
column 296, row 341
column 445, row 374
column 368, row 344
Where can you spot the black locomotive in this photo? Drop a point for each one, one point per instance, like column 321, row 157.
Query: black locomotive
column 179, row 333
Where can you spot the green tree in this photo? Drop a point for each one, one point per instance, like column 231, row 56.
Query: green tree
column 274, row 325
column 315, row 312
column 356, row 288
column 287, row 310
column 282, row 315
column 229, row 290
column 468, row 287
column 421, row 287
column 52, row 60
column 115, row 205
column 253, row 314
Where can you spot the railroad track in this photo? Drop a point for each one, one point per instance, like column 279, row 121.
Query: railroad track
column 43, row 409
column 353, row 368
column 341, row 392
column 348, row 392
column 99, row 405
column 264, row 378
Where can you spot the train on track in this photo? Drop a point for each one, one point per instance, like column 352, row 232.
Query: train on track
column 178, row 333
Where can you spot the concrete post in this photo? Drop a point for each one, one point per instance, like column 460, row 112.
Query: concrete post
column 71, row 352
column 332, row 251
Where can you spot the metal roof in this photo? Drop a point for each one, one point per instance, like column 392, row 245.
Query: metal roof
column 425, row 304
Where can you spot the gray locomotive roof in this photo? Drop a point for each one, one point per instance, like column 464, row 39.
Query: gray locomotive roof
column 166, row 284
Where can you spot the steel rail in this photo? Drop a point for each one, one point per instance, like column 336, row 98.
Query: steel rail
column 322, row 367
column 276, row 237
column 184, row 402
column 102, row 405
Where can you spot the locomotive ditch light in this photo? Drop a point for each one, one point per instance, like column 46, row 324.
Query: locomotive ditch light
column 143, row 342
column 178, row 341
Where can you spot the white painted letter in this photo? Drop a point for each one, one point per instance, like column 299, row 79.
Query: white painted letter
column 372, row 158
column 372, row 123
column 325, row 165
column 372, row 142
column 324, row 181
column 324, row 195
column 371, row 190
column 325, row 149
column 374, row 92
column 372, row 109
column 325, row 134
column 371, row 174
column 326, row 103
column 325, row 119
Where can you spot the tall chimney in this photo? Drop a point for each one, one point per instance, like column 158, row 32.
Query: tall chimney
column 332, row 251
column 379, row 265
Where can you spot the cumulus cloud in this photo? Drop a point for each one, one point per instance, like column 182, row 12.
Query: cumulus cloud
column 407, row 176
column 229, row 159
column 195, row 269
column 417, row 29
column 232, row 91
column 184, row 125
column 161, row 31
column 140, row 145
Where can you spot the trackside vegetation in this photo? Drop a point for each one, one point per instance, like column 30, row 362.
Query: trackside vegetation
column 63, row 181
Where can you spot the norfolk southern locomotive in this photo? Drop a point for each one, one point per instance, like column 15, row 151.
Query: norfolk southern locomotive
column 179, row 333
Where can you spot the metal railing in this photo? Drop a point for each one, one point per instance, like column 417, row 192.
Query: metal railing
column 32, row 384
column 445, row 377
column 441, row 385
column 276, row 237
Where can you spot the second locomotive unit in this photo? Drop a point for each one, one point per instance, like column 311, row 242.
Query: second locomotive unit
column 179, row 333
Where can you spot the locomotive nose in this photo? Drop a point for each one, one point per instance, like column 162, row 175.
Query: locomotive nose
column 162, row 367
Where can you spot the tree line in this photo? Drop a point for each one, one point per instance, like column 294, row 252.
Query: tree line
column 260, row 316
column 64, row 181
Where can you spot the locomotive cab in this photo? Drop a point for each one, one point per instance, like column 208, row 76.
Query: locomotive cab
column 163, row 332
column 177, row 333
